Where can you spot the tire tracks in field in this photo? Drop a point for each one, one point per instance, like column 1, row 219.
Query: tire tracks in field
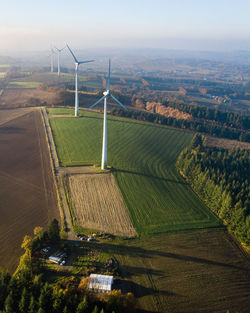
column 20, row 181
column 42, row 159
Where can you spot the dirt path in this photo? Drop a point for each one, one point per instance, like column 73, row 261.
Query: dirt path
column 58, row 175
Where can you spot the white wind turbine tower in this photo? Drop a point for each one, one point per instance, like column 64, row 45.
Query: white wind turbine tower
column 58, row 59
column 106, row 93
column 77, row 63
column 51, row 60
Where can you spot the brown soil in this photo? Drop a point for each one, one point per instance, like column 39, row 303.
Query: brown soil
column 97, row 204
column 26, row 97
column 27, row 191
column 197, row 272
column 226, row 143
column 8, row 115
column 158, row 108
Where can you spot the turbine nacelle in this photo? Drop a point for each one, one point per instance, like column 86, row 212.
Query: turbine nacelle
column 106, row 93
column 77, row 63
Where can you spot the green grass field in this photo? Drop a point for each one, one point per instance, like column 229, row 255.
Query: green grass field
column 16, row 84
column 143, row 156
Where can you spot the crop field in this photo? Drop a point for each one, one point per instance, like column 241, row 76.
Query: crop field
column 21, row 97
column 200, row 271
column 8, row 115
column 97, row 204
column 27, row 191
column 18, row 84
column 143, row 158
column 2, row 74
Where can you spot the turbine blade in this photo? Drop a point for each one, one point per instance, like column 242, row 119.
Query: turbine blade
column 72, row 54
column 123, row 106
column 93, row 105
column 108, row 82
column 86, row 61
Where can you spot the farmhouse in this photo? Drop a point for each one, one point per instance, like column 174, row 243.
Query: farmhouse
column 100, row 283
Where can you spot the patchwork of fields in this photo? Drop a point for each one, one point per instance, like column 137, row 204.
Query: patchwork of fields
column 143, row 158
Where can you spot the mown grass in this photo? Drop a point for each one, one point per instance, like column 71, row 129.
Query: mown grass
column 23, row 84
column 143, row 157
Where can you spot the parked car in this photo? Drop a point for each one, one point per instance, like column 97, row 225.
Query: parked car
column 63, row 262
column 84, row 238
column 46, row 250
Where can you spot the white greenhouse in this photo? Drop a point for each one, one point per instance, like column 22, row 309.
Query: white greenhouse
column 100, row 283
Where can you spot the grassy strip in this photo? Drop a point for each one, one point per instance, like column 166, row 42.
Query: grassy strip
column 23, row 84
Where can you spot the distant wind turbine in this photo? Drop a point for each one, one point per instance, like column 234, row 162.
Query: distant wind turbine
column 58, row 59
column 51, row 60
column 77, row 63
column 106, row 94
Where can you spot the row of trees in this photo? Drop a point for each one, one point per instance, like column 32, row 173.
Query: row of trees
column 221, row 178
column 199, row 126
column 230, row 119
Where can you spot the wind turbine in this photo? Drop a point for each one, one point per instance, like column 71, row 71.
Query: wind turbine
column 51, row 60
column 58, row 59
column 106, row 94
column 77, row 63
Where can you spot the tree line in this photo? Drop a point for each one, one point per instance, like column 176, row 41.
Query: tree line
column 221, row 178
column 29, row 291
column 194, row 125
column 229, row 119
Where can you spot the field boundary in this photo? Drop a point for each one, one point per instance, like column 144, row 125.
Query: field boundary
column 54, row 162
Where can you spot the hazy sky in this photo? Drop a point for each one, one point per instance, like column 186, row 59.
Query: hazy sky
column 184, row 24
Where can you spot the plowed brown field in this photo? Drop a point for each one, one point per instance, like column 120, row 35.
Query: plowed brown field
column 97, row 204
column 27, row 191
column 8, row 115
column 19, row 97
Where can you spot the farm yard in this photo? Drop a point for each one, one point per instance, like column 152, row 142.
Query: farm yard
column 198, row 271
column 97, row 204
column 27, row 191
column 142, row 157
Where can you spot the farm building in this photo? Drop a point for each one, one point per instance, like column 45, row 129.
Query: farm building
column 100, row 283
column 55, row 259
column 58, row 257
